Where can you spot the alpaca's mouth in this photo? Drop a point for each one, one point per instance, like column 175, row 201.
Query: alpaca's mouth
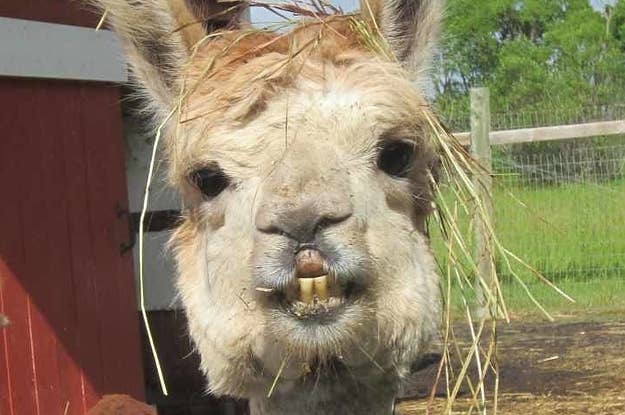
column 314, row 297
column 314, row 292
column 318, row 298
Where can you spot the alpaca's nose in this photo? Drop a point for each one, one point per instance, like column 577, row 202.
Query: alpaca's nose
column 302, row 222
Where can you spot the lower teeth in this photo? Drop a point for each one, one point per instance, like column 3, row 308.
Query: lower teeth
column 316, row 308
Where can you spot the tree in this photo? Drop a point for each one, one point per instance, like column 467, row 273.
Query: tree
column 616, row 22
column 533, row 54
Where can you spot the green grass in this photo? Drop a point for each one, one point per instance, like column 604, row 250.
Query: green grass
column 592, row 297
column 572, row 231
column 600, row 297
column 574, row 234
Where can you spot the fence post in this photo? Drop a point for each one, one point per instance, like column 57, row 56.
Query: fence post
column 483, row 243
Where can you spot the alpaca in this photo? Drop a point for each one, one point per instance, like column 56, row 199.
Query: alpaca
column 304, row 160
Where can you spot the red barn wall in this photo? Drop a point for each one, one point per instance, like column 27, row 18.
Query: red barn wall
column 69, row 12
column 66, row 287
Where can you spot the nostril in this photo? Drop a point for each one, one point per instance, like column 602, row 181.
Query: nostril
column 329, row 220
column 272, row 229
column 268, row 221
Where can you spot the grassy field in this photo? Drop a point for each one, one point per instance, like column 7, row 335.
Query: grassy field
column 574, row 234
column 572, row 231
column 593, row 298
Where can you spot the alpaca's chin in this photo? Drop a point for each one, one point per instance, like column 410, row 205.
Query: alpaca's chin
column 319, row 329
column 317, row 311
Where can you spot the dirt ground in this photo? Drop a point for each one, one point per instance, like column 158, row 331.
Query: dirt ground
column 570, row 368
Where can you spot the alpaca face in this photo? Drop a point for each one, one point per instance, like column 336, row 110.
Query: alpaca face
column 304, row 233
column 305, row 174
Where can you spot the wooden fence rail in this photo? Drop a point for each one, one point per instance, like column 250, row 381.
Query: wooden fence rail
column 559, row 132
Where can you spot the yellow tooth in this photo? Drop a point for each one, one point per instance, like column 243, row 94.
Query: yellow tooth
column 305, row 290
column 321, row 287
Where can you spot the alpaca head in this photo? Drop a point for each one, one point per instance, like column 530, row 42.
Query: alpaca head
column 304, row 162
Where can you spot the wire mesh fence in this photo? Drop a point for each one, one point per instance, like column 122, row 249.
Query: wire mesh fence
column 562, row 206
column 509, row 119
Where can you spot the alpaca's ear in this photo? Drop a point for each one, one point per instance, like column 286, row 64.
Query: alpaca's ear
column 157, row 36
column 410, row 28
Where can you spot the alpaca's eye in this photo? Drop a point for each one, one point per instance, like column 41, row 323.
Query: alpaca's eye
column 396, row 157
column 211, row 181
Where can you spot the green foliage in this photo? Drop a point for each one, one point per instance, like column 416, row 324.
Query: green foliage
column 533, row 54
column 617, row 23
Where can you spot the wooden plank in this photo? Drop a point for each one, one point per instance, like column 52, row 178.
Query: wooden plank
column 63, row 97
column 83, row 264
column 10, row 245
column 45, row 50
column 6, row 404
column 52, row 11
column 19, row 394
column 483, row 214
column 46, row 248
column 99, row 218
column 119, row 324
column 560, row 132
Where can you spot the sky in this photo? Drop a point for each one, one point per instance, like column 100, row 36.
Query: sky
column 262, row 17
column 600, row 4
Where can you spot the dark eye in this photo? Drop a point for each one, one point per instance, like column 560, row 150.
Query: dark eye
column 210, row 180
column 395, row 157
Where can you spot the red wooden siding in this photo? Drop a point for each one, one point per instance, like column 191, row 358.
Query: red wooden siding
column 67, row 290
column 70, row 12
